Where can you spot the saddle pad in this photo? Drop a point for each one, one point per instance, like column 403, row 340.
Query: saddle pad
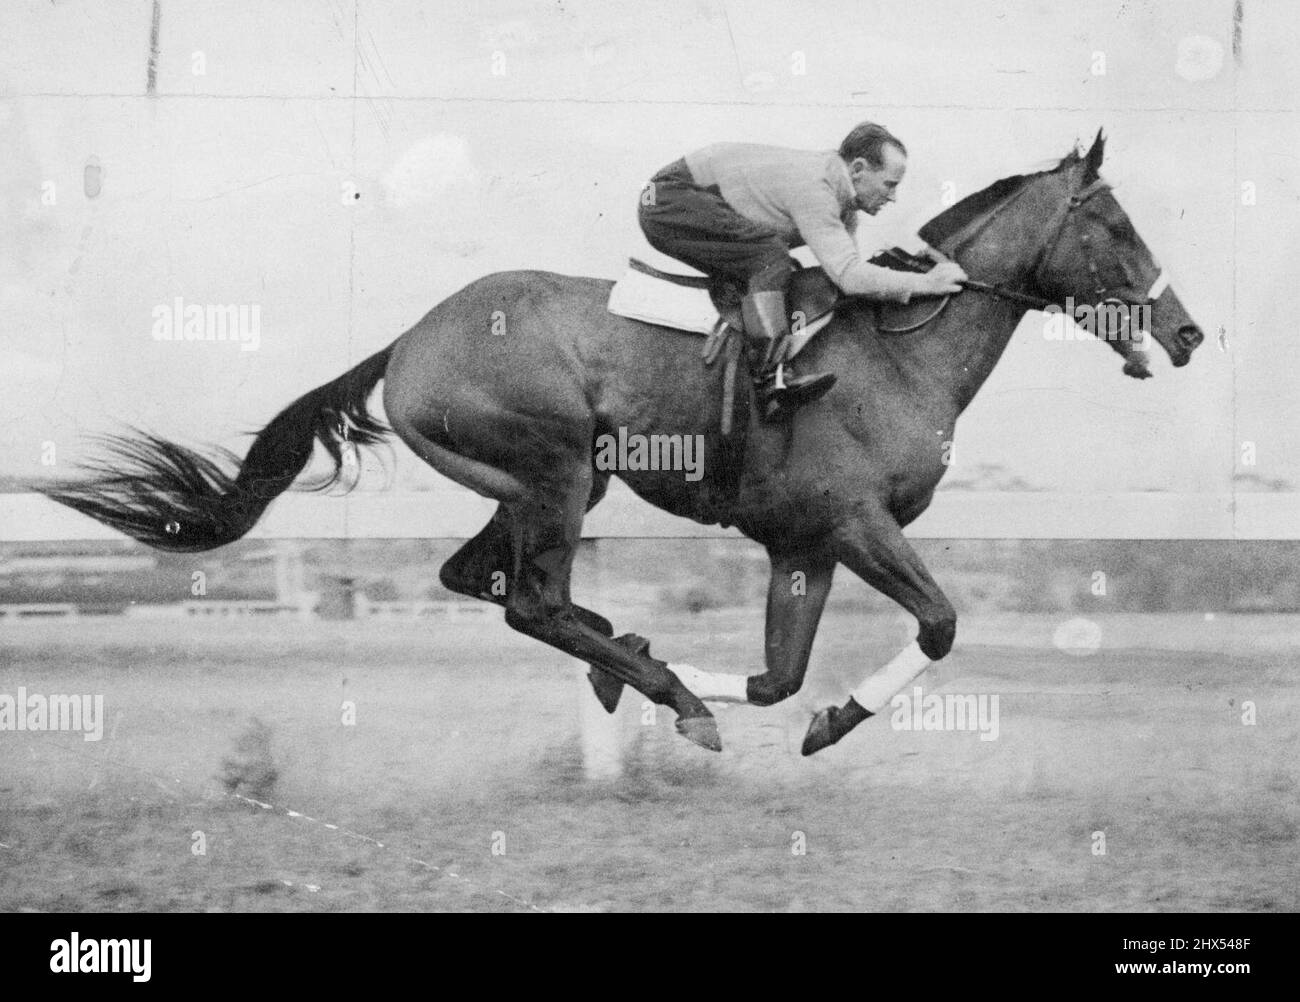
column 639, row 296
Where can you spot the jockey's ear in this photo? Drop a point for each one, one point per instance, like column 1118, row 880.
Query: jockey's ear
column 1092, row 162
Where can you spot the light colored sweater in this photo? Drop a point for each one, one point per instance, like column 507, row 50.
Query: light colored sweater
column 806, row 197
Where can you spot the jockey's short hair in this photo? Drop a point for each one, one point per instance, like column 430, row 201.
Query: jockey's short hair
column 868, row 141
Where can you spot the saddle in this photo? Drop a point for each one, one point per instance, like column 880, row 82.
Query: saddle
column 811, row 295
column 711, row 308
column 701, row 305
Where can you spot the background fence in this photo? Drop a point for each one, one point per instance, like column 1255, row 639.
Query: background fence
column 450, row 512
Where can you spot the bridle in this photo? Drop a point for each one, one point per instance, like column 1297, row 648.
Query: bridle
column 1042, row 258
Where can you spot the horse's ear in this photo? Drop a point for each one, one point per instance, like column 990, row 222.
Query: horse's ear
column 1094, row 156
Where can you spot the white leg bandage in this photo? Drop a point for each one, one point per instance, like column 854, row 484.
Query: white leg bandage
column 875, row 693
column 712, row 686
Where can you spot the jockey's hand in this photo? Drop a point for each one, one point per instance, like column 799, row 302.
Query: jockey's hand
column 944, row 278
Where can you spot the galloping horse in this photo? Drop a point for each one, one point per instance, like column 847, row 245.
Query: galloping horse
column 506, row 386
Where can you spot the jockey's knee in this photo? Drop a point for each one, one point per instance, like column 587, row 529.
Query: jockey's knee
column 772, row 277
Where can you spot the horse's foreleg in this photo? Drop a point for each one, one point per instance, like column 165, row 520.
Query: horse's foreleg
column 796, row 596
column 877, row 552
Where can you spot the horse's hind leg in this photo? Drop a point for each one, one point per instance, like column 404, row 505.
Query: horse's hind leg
column 478, row 569
column 546, row 531
column 540, row 469
column 484, row 566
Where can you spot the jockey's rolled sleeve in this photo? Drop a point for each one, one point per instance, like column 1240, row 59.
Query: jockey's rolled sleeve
column 826, row 235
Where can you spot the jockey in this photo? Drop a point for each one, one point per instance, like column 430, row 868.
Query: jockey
column 734, row 210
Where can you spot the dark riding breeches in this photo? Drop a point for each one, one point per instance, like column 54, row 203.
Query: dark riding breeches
column 698, row 227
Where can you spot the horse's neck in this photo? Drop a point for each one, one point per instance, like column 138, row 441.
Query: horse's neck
column 960, row 351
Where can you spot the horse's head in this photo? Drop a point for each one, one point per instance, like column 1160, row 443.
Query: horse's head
column 1095, row 260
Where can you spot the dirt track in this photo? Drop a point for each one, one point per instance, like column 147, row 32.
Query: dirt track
column 468, row 731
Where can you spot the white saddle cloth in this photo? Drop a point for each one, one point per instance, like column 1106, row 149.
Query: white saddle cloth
column 639, row 296
column 643, row 297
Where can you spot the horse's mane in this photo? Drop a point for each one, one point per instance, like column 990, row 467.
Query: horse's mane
column 970, row 208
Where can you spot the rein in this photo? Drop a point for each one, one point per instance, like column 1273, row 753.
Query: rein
column 1041, row 259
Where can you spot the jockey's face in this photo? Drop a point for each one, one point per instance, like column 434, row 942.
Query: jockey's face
column 877, row 186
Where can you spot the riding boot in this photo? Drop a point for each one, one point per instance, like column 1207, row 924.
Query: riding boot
column 767, row 339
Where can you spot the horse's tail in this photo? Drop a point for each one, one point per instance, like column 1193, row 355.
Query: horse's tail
column 173, row 498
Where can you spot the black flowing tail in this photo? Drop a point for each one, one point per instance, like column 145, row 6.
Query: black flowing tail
column 173, row 498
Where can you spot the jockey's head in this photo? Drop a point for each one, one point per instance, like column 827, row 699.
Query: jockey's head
column 877, row 160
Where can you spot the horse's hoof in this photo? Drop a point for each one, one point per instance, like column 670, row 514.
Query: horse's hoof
column 607, row 688
column 821, row 732
column 702, row 730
